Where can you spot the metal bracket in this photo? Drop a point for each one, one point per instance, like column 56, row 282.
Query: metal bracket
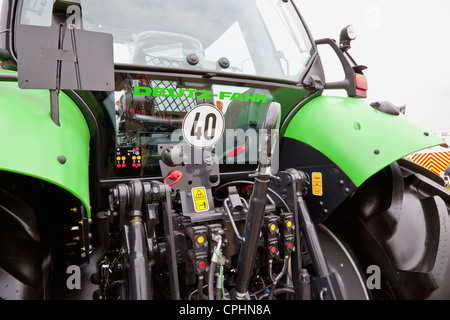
column 136, row 202
column 63, row 56
column 295, row 182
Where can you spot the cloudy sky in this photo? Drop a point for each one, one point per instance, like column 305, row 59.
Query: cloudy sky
column 405, row 44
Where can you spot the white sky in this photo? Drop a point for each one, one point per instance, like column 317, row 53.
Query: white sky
column 404, row 44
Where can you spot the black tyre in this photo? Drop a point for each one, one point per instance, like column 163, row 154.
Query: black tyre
column 398, row 221
column 21, row 258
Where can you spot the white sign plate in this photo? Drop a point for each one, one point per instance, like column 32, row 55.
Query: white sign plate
column 203, row 126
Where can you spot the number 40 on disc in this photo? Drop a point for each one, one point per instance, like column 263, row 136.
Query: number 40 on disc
column 203, row 126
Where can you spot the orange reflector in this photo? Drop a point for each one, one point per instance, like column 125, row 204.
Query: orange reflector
column 361, row 82
column 361, row 85
column 219, row 105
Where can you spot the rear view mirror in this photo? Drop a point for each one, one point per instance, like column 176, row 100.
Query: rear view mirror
column 64, row 56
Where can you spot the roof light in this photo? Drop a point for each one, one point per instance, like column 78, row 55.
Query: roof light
column 351, row 32
column 347, row 35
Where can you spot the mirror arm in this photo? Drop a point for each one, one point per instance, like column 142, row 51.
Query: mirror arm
column 349, row 82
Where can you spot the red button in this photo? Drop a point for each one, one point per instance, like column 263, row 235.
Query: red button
column 289, row 245
column 273, row 249
column 201, row 265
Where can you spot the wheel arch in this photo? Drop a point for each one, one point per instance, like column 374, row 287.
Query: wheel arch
column 34, row 146
column 358, row 138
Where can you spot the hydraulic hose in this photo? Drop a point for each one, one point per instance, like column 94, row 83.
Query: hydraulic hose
column 213, row 265
column 258, row 200
column 211, row 276
column 277, row 277
column 251, row 235
column 277, row 292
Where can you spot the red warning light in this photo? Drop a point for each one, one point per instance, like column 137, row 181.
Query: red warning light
column 123, row 165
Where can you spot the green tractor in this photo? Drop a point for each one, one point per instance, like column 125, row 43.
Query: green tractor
column 184, row 150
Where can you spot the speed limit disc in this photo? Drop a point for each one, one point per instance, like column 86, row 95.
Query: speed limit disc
column 203, row 126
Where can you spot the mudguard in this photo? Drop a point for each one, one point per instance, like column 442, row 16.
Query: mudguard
column 358, row 138
column 33, row 145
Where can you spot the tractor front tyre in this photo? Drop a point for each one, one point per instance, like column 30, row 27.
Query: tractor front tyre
column 21, row 258
column 398, row 222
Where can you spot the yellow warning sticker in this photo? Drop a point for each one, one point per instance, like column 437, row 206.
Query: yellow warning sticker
column 317, row 184
column 200, row 199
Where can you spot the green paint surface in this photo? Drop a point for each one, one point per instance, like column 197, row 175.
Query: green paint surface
column 31, row 142
column 358, row 138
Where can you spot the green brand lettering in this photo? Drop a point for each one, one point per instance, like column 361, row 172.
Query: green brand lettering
column 201, row 94
column 224, row 94
column 142, row 91
column 174, row 95
column 159, row 92
column 237, row 96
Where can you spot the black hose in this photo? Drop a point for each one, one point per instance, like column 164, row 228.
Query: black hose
column 252, row 229
column 277, row 292
column 232, row 183
column 278, row 277
column 212, row 269
column 201, row 294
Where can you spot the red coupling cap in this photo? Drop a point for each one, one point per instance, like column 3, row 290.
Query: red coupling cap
column 175, row 175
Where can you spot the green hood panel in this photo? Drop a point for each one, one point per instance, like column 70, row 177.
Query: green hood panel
column 358, row 138
column 31, row 143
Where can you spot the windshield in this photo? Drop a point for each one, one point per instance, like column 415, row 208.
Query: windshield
column 255, row 37
column 148, row 111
